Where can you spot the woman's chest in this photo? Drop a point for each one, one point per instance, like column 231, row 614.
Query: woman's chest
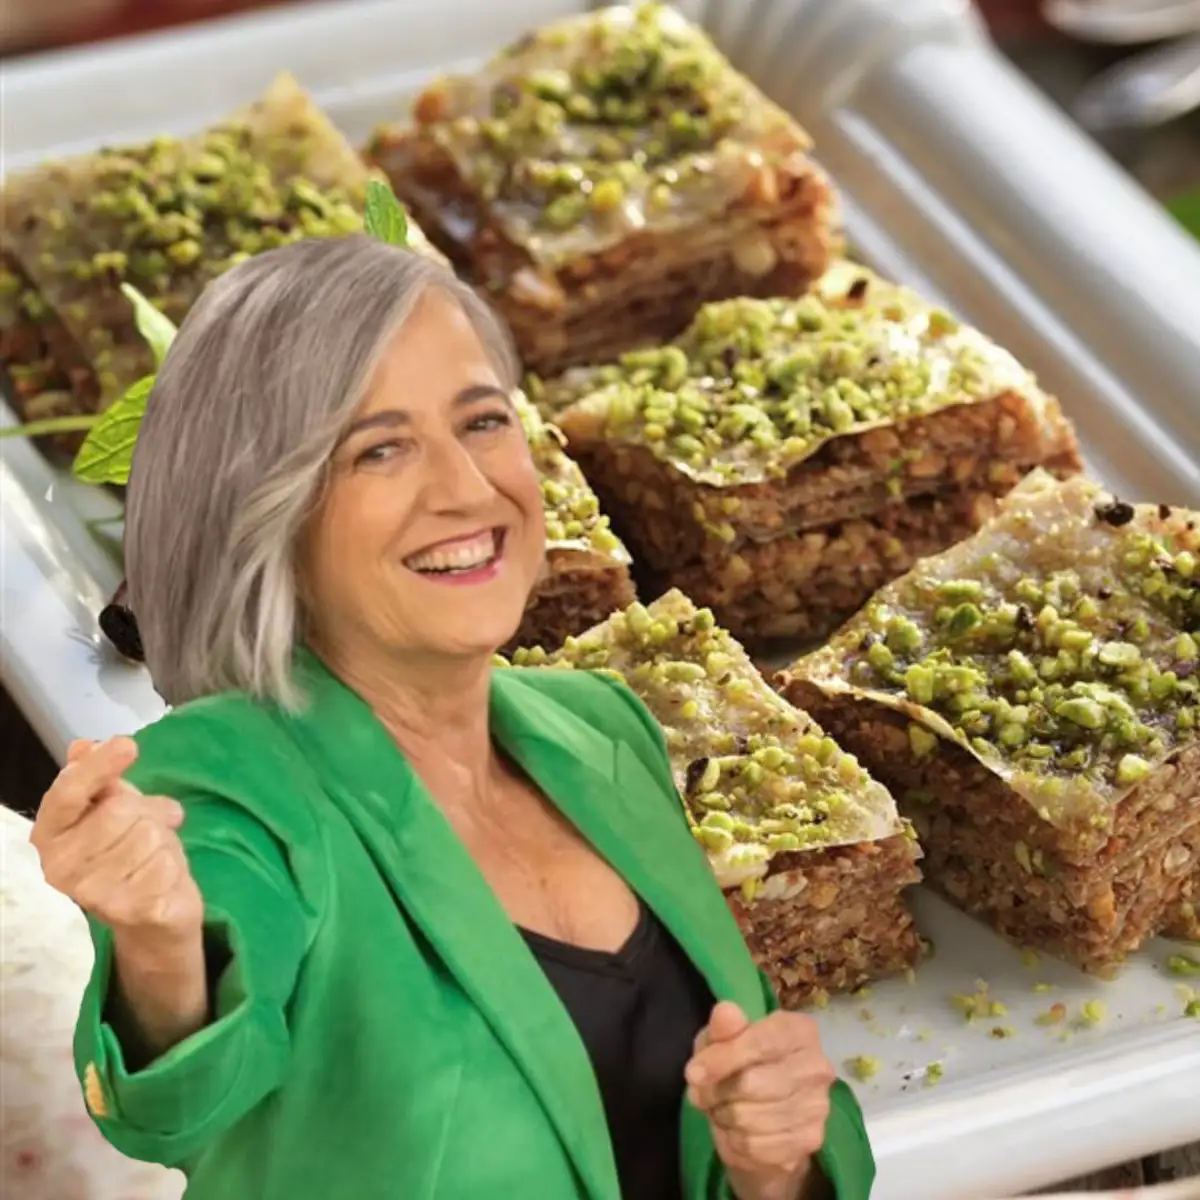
column 547, row 878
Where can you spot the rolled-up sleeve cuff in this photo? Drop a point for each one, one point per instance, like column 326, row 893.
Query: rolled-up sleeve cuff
column 165, row 1111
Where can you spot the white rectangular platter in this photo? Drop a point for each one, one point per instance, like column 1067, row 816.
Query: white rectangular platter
column 958, row 180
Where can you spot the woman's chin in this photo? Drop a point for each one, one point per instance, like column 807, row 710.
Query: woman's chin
column 481, row 639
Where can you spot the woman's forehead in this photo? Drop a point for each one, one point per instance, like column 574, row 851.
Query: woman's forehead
column 431, row 358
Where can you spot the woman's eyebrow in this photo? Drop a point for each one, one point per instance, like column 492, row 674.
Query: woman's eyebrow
column 475, row 392
column 390, row 418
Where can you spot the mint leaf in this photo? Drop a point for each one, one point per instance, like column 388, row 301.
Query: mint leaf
column 107, row 452
column 1186, row 210
column 384, row 216
column 158, row 330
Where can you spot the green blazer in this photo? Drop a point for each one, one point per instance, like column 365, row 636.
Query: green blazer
column 382, row 1032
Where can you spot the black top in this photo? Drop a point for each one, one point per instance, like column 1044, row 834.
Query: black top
column 638, row 1012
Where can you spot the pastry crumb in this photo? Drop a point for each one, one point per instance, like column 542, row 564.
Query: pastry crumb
column 978, row 1003
column 1056, row 1014
column 863, row 1067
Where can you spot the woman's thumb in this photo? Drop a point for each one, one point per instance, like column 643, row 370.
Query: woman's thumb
column 726, row 1022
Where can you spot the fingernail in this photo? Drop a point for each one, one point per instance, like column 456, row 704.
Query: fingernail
column 696, row 1076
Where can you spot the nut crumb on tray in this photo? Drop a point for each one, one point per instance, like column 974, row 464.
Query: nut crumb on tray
column 863, row 1067
column 1183, row 964
column 978, row 1004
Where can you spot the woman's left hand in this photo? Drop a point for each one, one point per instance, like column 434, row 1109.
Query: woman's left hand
column 764, row 1086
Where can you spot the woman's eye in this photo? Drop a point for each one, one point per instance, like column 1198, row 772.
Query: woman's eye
column 486, row 422
column 379, row 453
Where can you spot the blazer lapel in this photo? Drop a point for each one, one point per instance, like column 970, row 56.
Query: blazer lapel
column 603, row 788
column 437, row 884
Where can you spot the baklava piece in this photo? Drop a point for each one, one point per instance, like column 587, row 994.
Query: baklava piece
column 1031, row 697
column 783, row 458
column 606, row 175
column 587, row 567
column 808, row 849
column 167, row 217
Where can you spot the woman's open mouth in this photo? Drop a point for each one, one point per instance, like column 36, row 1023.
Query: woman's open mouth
column 475, row 558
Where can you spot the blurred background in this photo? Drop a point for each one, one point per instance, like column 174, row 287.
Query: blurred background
column 30, row 25
column 1165, row 156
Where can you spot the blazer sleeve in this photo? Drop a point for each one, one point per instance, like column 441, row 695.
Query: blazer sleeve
column 846, row 1157
column 257, row 930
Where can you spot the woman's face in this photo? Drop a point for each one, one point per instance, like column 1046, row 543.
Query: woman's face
column 430, row 536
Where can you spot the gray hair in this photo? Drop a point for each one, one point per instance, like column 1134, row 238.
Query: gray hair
column 264, row 374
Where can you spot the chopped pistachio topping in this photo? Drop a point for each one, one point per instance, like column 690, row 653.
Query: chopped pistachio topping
column 573, row 516
column 601, row 124
column 1057, row 645
column 753, row 387
column 757, row 776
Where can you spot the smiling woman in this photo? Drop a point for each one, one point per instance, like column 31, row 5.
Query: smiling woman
column 341, row 401
column 434, row 487
column 371, row 916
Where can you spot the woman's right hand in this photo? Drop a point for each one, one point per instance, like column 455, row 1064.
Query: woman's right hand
column 116, row 852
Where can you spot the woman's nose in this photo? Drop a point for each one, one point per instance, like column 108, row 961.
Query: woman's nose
column 456, row 482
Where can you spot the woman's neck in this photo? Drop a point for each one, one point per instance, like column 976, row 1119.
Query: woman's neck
column 437, row 714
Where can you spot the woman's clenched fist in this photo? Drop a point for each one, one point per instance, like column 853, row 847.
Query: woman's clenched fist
column 114, row 851
column 764, row 1086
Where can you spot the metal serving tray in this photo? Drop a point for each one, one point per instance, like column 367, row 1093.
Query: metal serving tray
column 960, row 180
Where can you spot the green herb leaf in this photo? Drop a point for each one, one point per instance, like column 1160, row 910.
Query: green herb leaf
column 158, row 330
column 1186, row 210
column 384, row 216
column 107, row 453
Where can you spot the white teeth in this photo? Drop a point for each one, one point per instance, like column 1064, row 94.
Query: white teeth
column 464, row 557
